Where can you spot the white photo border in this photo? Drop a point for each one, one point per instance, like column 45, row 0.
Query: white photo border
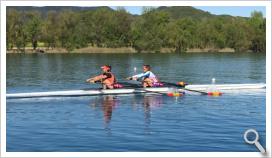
column 266, row 4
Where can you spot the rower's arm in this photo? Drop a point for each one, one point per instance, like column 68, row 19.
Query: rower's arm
column 141, row 75
column 97, row 78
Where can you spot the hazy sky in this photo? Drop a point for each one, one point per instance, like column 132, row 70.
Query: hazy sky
column 218, row 10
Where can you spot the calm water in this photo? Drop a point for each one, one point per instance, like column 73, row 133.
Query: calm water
column 133, row 122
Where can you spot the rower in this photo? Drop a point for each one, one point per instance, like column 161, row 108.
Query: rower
column 107, row 78
column 148, row 78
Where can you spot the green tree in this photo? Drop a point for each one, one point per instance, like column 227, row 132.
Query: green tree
column 257, row 23
column 16, row 30
column 33, row 27
column 149, row 31
column 156, row 28
column 72, row 30
column 237, row 35
column 180, row 34
column 12, row 22
column 119, row 28
column 51, row 29
column 211, row 33
column 100, row 26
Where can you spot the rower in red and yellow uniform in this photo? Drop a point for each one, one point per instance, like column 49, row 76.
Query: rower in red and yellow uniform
column 148, row 78
column 107, row 78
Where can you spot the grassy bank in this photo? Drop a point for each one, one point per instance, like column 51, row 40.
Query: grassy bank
column 114, row 50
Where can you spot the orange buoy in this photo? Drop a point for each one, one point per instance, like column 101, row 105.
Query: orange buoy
column 182, row 83
column 214, row 93
column 170, row 94
column 175, row 94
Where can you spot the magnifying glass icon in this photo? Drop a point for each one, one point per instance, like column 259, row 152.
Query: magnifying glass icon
column 255, row 141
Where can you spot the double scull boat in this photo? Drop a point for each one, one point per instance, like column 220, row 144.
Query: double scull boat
column 90, row 92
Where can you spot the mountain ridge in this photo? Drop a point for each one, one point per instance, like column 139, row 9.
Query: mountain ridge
column 174, row 11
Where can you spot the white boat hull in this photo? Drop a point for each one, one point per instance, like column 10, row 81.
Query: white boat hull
column 227, row 86
column 67, row 93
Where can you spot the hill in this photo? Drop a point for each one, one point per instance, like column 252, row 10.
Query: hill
column 177, row 12
column 174, row 11
column 45, row 9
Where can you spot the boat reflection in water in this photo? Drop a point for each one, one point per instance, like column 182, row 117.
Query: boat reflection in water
column 150, row 102
column 109, row 103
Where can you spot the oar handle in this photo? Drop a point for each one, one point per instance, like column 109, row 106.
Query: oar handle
column 129, row 78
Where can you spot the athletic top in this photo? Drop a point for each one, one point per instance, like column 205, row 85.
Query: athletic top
column 108, row 74
column 147, row 74
column 110, row 78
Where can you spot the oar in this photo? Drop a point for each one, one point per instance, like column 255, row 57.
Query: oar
column 201, row 92
column 174, row 84
column 182, row 85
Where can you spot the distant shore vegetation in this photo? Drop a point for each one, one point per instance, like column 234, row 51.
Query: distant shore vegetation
column 176, row 28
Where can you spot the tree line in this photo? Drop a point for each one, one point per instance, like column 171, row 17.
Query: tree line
column 151, row 31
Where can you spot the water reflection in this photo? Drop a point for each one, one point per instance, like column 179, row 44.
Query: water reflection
column 109, row 103
column 150, row 102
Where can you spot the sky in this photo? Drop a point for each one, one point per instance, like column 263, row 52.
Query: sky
column 243, row 11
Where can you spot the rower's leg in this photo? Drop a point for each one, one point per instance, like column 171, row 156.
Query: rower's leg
column 148, row 82
column 108, row 85
column 144, row 85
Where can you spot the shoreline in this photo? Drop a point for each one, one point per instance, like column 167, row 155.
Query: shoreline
column 125, row 50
